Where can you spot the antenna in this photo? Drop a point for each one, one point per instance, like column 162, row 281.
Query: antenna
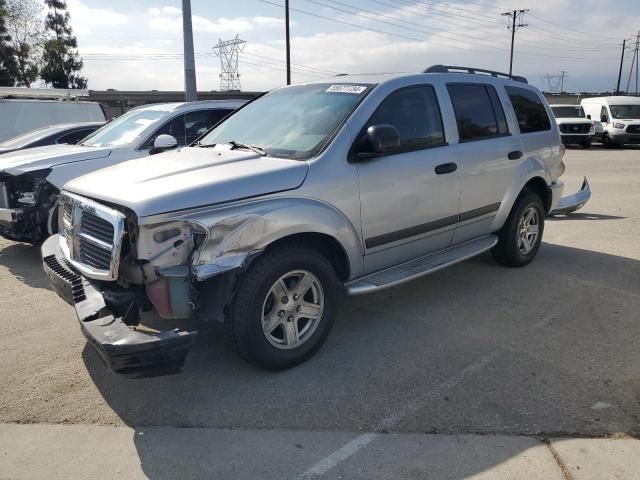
column 228, row 51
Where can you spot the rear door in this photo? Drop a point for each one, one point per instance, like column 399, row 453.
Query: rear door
column 488, row 152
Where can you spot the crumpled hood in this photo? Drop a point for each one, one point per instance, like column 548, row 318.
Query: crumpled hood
column 39, row 158
column 560, row 121
column 189, row 178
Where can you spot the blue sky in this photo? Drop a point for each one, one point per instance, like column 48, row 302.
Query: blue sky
column 137, row 45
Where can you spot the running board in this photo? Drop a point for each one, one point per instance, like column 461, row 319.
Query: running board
column 419, row 267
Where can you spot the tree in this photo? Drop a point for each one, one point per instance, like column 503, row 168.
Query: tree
column 25, row 24
column 61, row 63
column 8, row 66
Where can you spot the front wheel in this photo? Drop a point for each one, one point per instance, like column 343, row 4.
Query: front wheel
column 521, row 236
column 586, row 144
column 284, row 307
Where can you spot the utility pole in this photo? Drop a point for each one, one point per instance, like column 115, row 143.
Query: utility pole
column 191, row 91
column 516, row 17
column 624, row 44
column 288, row 46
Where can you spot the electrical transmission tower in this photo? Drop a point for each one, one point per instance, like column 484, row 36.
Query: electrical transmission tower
column 634, row 63
column 516, row 22
column 556, row 82
column 228, row 51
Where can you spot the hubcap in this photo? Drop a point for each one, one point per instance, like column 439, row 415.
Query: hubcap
column 292, row 309
column 528, row 230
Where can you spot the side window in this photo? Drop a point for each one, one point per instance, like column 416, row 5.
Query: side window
column 530, row 111
column 604, row 113
column 197, row 123
column 414, row 111
column 479, row 113
column 175, row 128
column 73, row 137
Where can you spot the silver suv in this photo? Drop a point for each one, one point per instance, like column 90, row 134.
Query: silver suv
column 352, row 185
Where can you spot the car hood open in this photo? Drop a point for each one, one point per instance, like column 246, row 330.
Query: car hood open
column 39, row 158
column 188, row 178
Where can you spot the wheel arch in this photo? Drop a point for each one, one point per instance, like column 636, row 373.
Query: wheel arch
column 236, row 235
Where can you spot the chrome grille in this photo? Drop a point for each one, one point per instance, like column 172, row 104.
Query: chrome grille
column 96, row 227
column 92, row 237
column 575, row 128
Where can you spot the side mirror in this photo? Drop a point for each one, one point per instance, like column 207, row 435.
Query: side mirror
column 162, row 143
column 603, row 118
column 379, row 139
column 589, row 117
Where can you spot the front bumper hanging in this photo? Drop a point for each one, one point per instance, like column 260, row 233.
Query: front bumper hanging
column 123, row 348
column 574, row 202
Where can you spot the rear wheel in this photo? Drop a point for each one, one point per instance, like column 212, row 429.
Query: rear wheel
column 284, row 307
column 520, row 237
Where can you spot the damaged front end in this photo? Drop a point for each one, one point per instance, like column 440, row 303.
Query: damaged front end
column 27, row 206
column 127, row 307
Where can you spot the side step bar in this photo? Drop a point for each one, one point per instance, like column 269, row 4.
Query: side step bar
column 419, row 267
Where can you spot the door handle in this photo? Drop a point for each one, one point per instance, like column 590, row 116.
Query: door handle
column 446, row 168
column 515, row 155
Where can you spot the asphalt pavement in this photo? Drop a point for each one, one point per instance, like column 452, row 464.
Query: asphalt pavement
column 475, row 353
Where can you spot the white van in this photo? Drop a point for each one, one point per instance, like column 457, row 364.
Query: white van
column 620, row 117
column 20, row 116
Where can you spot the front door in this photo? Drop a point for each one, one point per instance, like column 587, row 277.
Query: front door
column 409, row 196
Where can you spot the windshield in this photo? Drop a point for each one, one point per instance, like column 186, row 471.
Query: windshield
column 568, row 112
column 293, row 122
column 123, row 130
column 625, row 111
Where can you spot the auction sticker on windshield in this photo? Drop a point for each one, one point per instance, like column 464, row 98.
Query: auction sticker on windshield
column 356, row 89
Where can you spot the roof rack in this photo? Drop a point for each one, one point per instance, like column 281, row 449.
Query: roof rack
column 482, row 71
column 42, row 93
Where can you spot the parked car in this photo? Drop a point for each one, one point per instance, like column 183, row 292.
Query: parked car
column 575, row 128
column 61, row 134
column 30, row 180
column 620, row 118
column 356, row 185
column 26, row 109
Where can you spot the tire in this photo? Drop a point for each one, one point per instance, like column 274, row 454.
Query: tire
column 606, row 142
column 256, row 299
column 509, row 250
column 586, row 144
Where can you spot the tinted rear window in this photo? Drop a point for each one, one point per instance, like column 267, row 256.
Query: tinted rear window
column 530, row 111
column 479, row 114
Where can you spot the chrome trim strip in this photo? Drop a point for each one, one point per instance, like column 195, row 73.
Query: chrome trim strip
column 72, row 231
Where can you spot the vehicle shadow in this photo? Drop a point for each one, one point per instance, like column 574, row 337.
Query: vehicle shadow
column 547, row 350
column 25, row 263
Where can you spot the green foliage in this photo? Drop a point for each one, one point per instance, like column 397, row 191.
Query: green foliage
column 8, row 65
column 61, row 63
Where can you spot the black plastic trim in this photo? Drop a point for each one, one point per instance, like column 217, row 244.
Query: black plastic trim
column 416, row 230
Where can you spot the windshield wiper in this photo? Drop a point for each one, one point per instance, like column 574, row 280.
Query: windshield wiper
column 259, row 150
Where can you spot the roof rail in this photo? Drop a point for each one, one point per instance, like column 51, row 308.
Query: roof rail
column 454, row 69
column 42, row 93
